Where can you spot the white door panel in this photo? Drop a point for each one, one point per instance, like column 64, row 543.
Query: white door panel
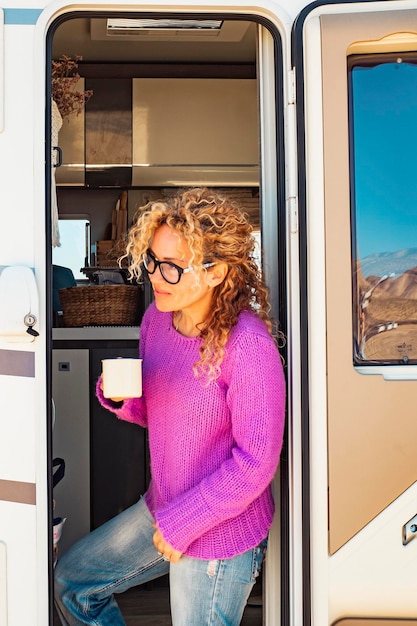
column 362, row 428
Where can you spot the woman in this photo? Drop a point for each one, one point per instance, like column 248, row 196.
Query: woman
column 213, row 402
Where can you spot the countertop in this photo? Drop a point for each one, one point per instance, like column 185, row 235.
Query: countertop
column 90, row 333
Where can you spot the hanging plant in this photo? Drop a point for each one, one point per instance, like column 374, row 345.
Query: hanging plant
column 64, row 81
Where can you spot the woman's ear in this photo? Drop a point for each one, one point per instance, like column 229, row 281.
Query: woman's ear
column 216, row 274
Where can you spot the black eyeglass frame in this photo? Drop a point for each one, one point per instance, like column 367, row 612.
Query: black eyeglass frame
column 160, row 264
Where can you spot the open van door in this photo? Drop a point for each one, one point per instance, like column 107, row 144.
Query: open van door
column 263, row 65
column 356, row 76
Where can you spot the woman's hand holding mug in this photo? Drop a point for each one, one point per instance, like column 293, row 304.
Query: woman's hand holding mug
column 121, row 378
column 112, row 399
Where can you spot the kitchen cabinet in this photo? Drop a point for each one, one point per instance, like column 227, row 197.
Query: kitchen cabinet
column 71, row 141
column 71, row 441
column 156, row 132
column 195, row 131
column 96, row 144
column 118, row 452
column 108, row 133
column 106, row 459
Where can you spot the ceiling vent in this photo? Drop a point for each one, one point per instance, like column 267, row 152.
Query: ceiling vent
column 128, row 29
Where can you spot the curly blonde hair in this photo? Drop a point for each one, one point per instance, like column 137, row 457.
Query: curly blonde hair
column 215, row 229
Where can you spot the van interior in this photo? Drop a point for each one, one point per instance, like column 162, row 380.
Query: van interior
column 173, row 103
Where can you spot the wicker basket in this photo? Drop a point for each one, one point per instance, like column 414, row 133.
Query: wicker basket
column 100, row 305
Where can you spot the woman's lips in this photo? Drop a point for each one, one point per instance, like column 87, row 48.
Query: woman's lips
column 160, row 292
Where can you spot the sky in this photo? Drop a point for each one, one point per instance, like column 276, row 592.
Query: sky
column 385, row 148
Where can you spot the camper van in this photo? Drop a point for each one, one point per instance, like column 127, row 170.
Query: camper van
column 306, row 115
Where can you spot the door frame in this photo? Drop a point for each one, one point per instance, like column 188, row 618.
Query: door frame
column 273, row 190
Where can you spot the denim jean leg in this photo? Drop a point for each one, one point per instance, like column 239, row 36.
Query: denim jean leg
column 213, row 593
column 114, row 557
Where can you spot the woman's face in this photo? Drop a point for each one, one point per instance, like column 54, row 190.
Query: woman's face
column 193, row 293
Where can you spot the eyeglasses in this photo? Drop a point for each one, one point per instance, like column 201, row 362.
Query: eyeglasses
column 170, row 272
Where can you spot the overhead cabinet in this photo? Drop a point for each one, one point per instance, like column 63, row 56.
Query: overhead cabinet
column 71, row 141
column 163, row 131
column 188, row 131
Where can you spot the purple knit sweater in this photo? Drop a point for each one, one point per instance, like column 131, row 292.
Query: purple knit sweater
column 214, row 449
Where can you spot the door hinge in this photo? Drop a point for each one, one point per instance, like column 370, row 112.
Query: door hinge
column 291, row 86
column 293, row 214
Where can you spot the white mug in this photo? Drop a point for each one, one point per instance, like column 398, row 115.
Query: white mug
column 122, row 378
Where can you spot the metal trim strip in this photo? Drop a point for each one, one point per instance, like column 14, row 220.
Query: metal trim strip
column 17, row 363
column 16, row 491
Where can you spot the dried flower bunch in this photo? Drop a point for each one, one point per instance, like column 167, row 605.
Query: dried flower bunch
column 64, row 81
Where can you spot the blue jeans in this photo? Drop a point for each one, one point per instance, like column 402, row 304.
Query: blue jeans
column 120, row 554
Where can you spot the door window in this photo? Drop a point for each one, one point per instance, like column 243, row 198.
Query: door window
column 383, row 125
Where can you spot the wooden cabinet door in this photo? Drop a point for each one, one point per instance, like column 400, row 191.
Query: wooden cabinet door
column 118, row 451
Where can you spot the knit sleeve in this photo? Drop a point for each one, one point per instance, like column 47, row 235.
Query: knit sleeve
column 131, row 410
column 255, row 395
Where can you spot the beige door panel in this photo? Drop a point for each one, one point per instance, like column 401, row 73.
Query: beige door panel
column 371, row 437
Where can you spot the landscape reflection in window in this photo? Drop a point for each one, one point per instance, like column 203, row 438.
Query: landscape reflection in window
column 383, row 115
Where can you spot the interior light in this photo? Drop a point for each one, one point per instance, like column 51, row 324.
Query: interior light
column 162, row 24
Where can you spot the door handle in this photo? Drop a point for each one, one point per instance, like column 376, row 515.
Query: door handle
column 410, row 530
column 59, row 159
